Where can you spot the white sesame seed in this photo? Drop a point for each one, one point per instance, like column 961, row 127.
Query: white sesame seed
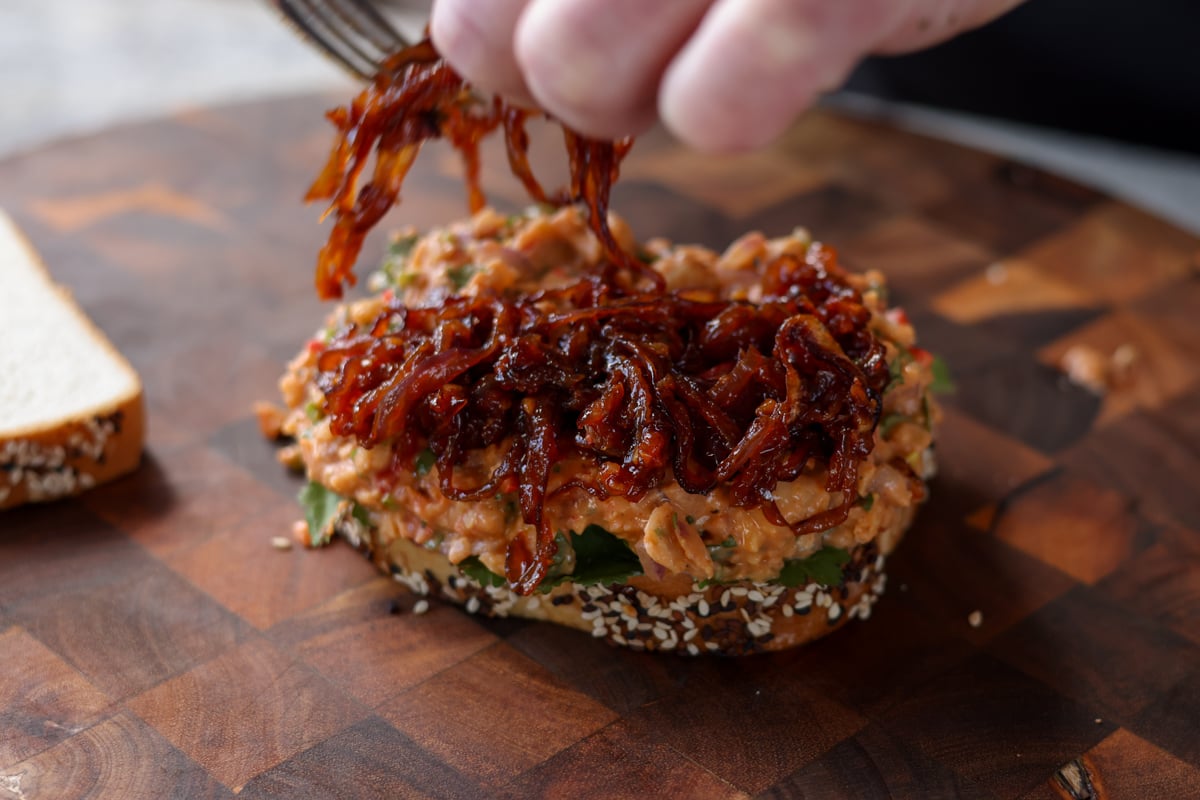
column 281, row 543
column 835, row 611
column 975, row 618
column 599, row 631
column 660, row 634
column 472, row 604
column 691, row 634
column 693, row 650
column 421, row 607
column 725, row 595
column 787, row 611
column 702, row 608
column 739, row 591
column 755, row 596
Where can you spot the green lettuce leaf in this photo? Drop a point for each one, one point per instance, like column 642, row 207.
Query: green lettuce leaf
column 600, row 558
column 824, row 567
column 320, row 510
column 474, row 569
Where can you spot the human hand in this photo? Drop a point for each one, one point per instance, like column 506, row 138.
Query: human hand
column 723, row 75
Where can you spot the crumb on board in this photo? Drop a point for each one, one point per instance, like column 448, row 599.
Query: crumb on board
column 300, row 532
column 281, row 543
column 975, row 618
column 421, row 607
column 996, row 274
column 1091, row 369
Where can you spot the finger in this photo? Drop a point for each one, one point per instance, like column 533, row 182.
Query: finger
column 476, row 37
column 753, row 65
column 931, row 21
column 596, row 64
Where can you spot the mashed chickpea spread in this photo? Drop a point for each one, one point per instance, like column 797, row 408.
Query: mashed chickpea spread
column 708, row 536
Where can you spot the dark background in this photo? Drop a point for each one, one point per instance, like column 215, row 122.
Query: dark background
column 1126, row 70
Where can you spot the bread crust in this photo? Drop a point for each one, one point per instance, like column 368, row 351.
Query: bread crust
column 672, row 615
column 72, row 457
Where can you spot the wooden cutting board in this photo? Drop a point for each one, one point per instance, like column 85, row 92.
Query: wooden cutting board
column 154, row 644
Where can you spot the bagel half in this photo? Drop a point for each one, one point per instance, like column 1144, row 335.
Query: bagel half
column 669, row 569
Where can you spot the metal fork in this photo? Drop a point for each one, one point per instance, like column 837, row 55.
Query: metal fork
column 352, row 32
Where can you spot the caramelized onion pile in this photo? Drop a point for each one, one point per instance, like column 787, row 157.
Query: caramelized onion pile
column 416, row 97
column 631, row 384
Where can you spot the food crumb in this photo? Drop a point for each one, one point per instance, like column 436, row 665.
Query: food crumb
column 281, row 543
column 421, row 607
column 975, row 618
column 1099, row 721
column 997, row 274
column 1089, row 368
column 300, row 532
column 1121, row 363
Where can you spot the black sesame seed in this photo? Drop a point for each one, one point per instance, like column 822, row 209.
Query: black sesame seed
column 562, row 599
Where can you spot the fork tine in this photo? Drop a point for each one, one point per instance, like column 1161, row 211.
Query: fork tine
column 315, row 26
column 371, row 25
column 344, row 33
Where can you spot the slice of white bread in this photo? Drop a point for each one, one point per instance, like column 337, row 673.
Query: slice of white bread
column 71, row 412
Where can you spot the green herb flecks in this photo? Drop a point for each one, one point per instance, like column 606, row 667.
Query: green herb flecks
column 424, row 463
column 395, row 263
column 823, row 567
column 896, row 367
column 867, row 502
column 942, row 382
column 402, row 246
column 889, row 423
column 460, row 276
column 313, row 412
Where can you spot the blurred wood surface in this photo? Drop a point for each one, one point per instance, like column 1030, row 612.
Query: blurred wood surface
column 154, row 644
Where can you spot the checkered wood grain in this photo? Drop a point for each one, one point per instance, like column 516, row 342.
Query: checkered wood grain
column 153, row 643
